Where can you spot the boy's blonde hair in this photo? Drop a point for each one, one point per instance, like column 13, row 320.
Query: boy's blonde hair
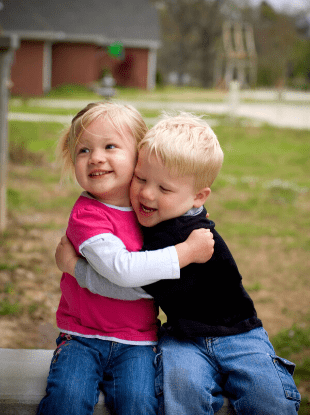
column 186, row 145
column 120, row 116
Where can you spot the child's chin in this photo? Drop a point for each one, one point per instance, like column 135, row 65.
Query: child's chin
column 145, row 221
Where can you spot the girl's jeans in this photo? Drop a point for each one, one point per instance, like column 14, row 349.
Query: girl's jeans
column 81, row 367
column 192, row 374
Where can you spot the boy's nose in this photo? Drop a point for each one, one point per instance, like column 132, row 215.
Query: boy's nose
column 147, row 193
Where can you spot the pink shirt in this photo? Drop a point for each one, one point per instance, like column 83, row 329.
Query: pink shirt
column 86, row 314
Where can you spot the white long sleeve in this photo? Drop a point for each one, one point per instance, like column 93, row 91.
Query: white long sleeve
column 107, row 254
column 88, row 278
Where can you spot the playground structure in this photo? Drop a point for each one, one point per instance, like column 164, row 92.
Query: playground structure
column 237, row 58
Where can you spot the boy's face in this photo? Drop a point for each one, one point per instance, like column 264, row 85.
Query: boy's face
column 158, row 195
column 104, row 162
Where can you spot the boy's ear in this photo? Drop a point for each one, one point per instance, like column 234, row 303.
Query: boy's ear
column 201, row 197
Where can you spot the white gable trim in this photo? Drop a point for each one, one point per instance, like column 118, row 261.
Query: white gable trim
column 67, row 37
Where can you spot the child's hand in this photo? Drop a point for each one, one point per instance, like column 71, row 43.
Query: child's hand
column 201, row 243
column 198, row 247
column 65, row 256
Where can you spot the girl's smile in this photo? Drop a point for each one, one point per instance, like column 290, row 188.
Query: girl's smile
column 96, row 174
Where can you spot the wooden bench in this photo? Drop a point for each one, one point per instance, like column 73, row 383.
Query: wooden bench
column 23, row 375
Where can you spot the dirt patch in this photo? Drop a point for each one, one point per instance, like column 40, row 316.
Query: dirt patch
column 30, row 287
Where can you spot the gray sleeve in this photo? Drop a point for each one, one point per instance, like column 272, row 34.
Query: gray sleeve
column 88, row 278
column 107, row 254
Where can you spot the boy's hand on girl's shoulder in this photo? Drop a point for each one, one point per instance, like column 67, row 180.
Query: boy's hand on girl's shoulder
column 65, row 256
column 202, row 245
column 198, row 247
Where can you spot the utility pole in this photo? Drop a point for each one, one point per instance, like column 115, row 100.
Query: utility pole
column 7, row 46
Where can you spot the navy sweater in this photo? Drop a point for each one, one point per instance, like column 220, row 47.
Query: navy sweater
column 209, row 299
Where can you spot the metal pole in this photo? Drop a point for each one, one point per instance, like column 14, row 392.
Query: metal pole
column 7, row 45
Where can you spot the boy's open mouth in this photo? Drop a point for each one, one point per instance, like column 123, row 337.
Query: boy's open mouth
column 146, row 210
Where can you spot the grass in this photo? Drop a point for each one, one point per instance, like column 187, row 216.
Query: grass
column 163, row 94
column 264, row 176
column 260, row 203
column 8, row 305
column 172, row 94
column 294, row 344
column 33, row 142
column 9, row 308
column 16, row 106
column 265, row 152
column 26, row 107
column 71, row 91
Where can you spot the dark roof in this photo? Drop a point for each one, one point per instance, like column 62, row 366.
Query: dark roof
column 78, row 20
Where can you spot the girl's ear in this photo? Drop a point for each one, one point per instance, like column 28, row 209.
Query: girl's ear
column 201, row 197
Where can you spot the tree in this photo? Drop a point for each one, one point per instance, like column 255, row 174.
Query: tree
column 278, row 46
column 189, row 30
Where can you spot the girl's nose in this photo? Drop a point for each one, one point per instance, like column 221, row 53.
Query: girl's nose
column 97, row 156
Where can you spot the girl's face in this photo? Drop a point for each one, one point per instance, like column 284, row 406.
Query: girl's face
column 105, row 161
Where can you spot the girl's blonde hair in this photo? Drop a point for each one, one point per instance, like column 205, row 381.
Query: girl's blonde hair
column 186, row 145
column 120, row 116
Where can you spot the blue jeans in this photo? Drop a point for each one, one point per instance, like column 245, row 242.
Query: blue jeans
column 192, row 375
column 82, row 367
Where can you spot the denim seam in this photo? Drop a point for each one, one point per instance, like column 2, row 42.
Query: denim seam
column 209, row 345
column 113, row 345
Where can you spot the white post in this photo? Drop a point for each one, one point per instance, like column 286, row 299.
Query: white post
column 47, row 67
column 151, row 69
column 7, row 46
column 233, row 97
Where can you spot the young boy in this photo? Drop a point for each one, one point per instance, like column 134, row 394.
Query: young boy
column 213, row 341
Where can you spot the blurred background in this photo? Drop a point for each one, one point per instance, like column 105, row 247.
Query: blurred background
column 243, row 64
column 198, row 43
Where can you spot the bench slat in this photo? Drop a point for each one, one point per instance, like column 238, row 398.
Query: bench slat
column 23, row 375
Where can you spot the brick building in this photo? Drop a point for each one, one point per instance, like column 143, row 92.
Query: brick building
column 66, row 42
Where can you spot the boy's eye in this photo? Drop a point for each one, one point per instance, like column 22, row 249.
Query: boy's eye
column 139, row 179
column 163, row 189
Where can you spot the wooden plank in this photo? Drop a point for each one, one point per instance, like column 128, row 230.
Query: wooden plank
column 23, row 375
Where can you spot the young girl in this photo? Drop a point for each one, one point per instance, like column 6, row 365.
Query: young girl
column 108, row 343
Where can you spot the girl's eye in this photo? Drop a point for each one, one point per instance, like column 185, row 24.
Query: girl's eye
column 110, row 146
column 84, row 150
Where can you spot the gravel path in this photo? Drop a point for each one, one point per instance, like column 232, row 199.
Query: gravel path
column 291, row 115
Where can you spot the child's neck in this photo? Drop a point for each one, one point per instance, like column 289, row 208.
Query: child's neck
column 122, row 202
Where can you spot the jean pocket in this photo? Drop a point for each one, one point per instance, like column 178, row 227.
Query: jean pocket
column 158, row 374
column 285, row 370
column 62, row 341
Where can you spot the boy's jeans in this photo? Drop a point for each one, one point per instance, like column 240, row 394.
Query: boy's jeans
column 191, row 376
column 81, row 366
